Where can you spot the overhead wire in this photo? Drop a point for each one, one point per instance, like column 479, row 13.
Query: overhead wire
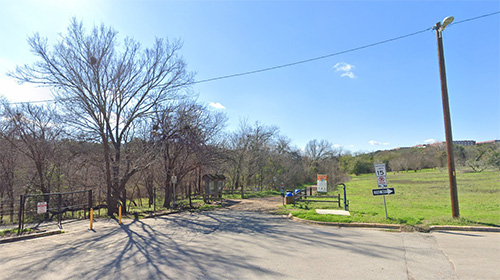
column 308, row 60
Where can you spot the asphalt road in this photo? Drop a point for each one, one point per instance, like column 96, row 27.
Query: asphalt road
column 246, row 245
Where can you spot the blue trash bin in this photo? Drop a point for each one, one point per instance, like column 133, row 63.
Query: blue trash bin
column 289, row 198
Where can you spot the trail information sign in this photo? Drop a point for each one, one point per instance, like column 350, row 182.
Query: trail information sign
column 322, row 183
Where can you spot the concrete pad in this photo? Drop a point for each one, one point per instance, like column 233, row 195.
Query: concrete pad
column 333, row 212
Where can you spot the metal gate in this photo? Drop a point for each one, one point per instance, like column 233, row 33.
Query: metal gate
column 38, row 208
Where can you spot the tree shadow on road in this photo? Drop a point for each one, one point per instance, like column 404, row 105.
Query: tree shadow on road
column 187, row 246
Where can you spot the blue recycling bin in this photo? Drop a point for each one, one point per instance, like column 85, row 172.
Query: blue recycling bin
column 289, row 198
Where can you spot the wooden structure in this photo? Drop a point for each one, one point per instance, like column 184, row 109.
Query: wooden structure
column 213, row 186
column 303, row 197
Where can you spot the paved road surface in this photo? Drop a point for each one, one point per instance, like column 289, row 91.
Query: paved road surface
column 247, row 245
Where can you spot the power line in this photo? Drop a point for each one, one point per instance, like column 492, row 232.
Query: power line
column 474, row 18
column 310, row 59
column 335, row 54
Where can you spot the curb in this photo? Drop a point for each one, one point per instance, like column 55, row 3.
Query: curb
column 30, row 236
column 394, row 226
column 464, row 228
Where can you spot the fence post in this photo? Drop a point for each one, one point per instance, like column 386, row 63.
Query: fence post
column 21, row 217
column 60, row 209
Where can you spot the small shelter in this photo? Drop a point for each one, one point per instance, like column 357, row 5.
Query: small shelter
column 213, row 186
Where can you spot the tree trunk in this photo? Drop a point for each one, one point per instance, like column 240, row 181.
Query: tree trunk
column 168, row 190
column 123, row 199
column 189, row 196
column 110, row 199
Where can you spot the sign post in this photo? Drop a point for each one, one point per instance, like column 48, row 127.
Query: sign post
column 282, row 187
column 381, row 173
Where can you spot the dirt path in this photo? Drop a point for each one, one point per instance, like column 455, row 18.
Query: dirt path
column 261, row 204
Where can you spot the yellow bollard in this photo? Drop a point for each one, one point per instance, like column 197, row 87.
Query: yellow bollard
column 120, row 215
column 91, row 218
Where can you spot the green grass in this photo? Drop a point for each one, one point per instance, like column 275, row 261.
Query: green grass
column 422, row 198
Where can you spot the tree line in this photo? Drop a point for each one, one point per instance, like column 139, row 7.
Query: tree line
column 124, row 120
column 475, row 158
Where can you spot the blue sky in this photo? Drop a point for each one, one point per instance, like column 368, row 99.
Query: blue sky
column 375, row 98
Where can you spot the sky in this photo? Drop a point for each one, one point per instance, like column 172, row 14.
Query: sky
column 358, row 98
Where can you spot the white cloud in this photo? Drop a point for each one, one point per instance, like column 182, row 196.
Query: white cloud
column 430, row 141
column 376, row 143
column 346, row 69
column 348, row 74
column 342, row 66
column 217, row 105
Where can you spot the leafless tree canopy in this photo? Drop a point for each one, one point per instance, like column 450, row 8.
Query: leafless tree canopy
column 106, row 88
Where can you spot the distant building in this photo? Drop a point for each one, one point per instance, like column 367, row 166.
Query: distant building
column 488, row 142
column 421, row 146
column 456, row 142
column 465, row 142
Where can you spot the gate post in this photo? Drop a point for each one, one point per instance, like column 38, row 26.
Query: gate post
column 60, row 209
column 21, row 216
column 90, row 202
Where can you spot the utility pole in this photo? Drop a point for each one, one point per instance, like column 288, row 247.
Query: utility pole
column 447, row 119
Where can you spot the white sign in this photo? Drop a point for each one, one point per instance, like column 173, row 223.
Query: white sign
column 382, row 182
column 322, row 184
column 380, row 170
column 381, row 175
column 42, row 207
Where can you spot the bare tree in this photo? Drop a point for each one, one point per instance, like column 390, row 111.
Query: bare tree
column 106, row 88
column 8, row 161
column 187, row 134
column 34, row 132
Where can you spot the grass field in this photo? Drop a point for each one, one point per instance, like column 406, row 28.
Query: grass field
column 421, row 198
